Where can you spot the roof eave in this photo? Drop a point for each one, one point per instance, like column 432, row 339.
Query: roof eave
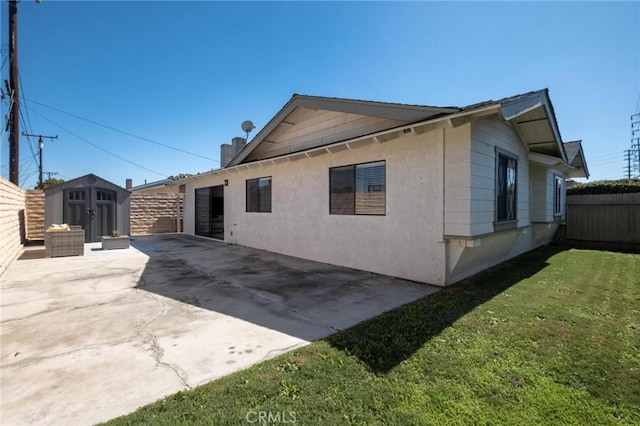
column 511, row 110
column 353, row 106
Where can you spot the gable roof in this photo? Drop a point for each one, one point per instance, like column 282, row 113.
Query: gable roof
column 86, row 180
column 534, row 119
column 572, row 149
column 394, row 112
column 531, row 114
column 576, row 159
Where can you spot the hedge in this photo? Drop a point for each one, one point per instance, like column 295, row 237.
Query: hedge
column 605, row 187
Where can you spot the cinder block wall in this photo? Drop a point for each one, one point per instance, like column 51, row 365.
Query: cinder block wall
column 155, row 213
column 35, row 214
column 12, row 222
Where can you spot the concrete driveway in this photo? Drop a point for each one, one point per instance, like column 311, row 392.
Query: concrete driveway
column 85, row 339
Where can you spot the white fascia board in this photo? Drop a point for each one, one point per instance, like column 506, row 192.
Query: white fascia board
column 547, row 160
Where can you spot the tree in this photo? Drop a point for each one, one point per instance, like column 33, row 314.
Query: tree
column 180, row 176
column 49, row 182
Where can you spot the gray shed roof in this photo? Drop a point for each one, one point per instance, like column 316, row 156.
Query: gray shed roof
column 86, row 180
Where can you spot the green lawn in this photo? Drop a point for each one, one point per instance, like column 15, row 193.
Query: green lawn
column 550, row 337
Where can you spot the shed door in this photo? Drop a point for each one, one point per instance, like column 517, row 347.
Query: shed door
column 105, row 220
column 75, row 207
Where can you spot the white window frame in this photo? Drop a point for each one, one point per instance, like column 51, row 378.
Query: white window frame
column 558, row 199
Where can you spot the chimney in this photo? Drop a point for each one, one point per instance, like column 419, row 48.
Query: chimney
column 238, row 144
column 226, row 154
column 128, row 183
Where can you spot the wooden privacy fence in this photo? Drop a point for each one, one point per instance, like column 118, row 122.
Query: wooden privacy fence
column 612, row 219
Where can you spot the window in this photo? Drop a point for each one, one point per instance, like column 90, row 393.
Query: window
column 103, row 196
column 557, row 195
column 506, row 188
column 358, row 189
column 259, row 195
column 75, row 195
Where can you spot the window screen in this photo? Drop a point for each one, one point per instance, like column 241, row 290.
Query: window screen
column 358, row 189
column 259, row 195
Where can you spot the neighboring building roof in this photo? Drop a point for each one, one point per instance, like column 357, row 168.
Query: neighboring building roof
column 86, row 180
column 150, row 185
column 575, row 156
column 572, row 149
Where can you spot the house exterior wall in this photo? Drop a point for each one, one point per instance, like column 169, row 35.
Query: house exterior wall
column 483, row 247
column 543, row 194
column 12, row 222
column 406, row 242
column 487, row 134
column 457, row 182
column 440, row 205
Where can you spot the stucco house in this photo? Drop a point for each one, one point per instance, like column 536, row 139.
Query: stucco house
column 431, row 194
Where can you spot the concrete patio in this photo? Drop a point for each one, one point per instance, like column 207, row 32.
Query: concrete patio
column 85, row 339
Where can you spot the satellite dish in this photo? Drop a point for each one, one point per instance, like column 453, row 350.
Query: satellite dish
column 247, row 126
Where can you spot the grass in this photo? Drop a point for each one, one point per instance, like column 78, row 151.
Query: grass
column 549, row 337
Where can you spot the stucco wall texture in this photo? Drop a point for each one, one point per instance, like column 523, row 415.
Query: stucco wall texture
column 431, row 183
column 406, row 242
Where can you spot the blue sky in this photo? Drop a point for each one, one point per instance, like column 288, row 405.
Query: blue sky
column 186, row 74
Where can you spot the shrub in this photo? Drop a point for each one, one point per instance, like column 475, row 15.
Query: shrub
column 620, row 186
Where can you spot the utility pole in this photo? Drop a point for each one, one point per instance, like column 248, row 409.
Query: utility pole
column 627, row 168
column 50, row 173
column 40, row 146
column 635, row 144
column 14, row 114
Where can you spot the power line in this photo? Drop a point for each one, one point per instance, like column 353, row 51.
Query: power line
column 596, row 158
column 99, row 147
column 27, row 176
column 124, row 132
column 24, row 126
column 23, row 103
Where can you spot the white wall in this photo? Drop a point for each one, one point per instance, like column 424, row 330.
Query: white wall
column 406, row 242
column 543, row 194
column 487, row 134
column 483, row 247
column 440, row 200
column 457, row 187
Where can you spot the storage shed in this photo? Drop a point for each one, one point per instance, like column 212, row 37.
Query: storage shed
column 97, row 205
